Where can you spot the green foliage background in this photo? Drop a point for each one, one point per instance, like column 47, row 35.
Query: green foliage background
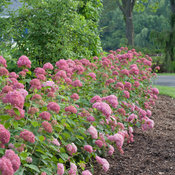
column 57, row 29
column 147, row 21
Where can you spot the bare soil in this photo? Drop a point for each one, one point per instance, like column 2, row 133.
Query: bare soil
column 153, row 151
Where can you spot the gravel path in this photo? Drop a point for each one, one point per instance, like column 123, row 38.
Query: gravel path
column 165, row 80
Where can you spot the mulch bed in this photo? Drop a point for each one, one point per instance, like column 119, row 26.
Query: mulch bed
column 153, row 151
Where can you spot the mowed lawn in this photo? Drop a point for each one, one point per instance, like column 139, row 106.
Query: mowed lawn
column 165, row 90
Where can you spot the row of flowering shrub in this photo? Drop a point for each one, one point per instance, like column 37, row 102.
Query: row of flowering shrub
column 59, row 118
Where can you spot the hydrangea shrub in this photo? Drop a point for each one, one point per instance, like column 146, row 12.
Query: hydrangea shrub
column 58, row 118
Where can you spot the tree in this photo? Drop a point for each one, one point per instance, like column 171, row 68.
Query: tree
column 127, row 6
column 170, row 42
column 52, row 30
column 145, row 21
column 3, row 3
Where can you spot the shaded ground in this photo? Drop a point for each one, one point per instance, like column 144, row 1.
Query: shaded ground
column 153, row 152
column 165, row 80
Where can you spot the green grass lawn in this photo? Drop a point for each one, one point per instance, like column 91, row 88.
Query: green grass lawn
column 171, row 74
column 165, row 90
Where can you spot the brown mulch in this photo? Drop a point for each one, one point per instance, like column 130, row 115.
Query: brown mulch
column 153, row 151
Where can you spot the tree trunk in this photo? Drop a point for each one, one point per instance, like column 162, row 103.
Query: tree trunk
column 169, row 47
column 129, row 29
column 126, row 6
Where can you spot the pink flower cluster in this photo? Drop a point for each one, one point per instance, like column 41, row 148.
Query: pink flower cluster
column 103, row 107
column 4, row 135
column 71, row 109
column 14, row 98
column 112, row 100
column 27, row 136
column 93, row 132
column 71, row 148
column 52, row 106
column 2, row 62
column 9, row 163
column 24, row 61
column 103, row 162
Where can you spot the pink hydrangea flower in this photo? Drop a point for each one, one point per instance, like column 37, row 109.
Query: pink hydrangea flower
column 47, row 126
column 90, row 118
column 27, row 136
column 93, row 132
column 103, row 162
column 77, row 83
column 95, row 99
column 52, row 106
column 86, row 172
column 35, row 84
column 45, row 115
column 126, row 94
column 40, row 70
column 99, row 143
column 71, row 109
column 15, row 160
column 4, row 135
column 62, row 64
column 14, row 98
column 119, row 85
column 103, row 107
column 112, row 100
column 6, row 167
column 88, row 148
column 36, row 97
column 92, row 75
column 41, row 77
column 155, row 91
column 125, row 72
column 148, row 124
column 6, row 89
column 24, row 61
column 18, row 86
column 119, row 140
column 75, row 96
column 4, row 71
column 48, row 66
column 111, row 150
column 73, row 169
column 33, row 110
column 132, row 117
column 3, row 61
column 60, row 74
column 13, row 75
column 17, row 116
column 55, row 142
column 60, row 169
column 43, row 173
column 71, row 148
column 23, row 92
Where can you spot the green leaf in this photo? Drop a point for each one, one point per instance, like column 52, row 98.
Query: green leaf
column 34, row 123
column 64, row 156
column 5, row 117
column 15, row 124
column 8, row 107
column 79, row 137
column 16, row 111
column 2, row 151
column 23, row 155
column 33, row 167
column 41, row 138
column 20, row 171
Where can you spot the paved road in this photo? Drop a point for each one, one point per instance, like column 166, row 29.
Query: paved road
column 165, row 80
